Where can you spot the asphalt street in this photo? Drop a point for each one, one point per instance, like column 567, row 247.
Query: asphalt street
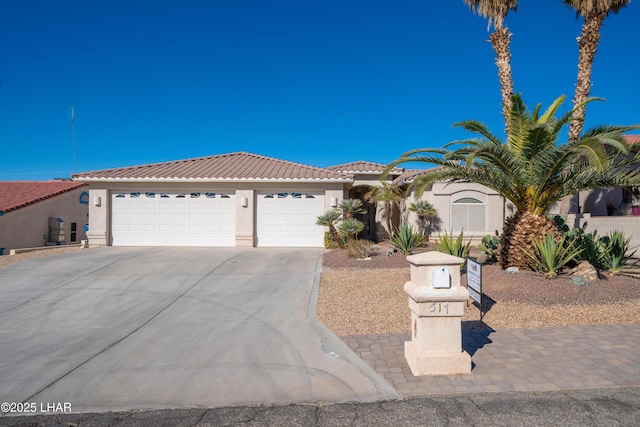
column 580, row 408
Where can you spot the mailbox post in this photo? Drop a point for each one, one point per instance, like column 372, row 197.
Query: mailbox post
column 436, row 300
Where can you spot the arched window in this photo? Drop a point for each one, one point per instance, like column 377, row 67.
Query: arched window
column 468, row 214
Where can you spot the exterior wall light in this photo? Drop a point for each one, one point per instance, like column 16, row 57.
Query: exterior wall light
column 97, row 201
column 244, row 202
column 334, row 202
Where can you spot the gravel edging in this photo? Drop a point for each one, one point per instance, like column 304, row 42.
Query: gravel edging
column 6, row 260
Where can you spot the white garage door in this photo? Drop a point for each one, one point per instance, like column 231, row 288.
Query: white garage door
column 172, row 219
column 288, row 219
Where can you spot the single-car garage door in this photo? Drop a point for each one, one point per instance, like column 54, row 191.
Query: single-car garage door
column 158, row 218
column 288, row 219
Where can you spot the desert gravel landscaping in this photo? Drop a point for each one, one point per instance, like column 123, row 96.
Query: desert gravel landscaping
column 6, row 260
column 367, row 297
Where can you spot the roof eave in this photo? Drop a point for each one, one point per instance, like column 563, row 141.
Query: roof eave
column 212, row 180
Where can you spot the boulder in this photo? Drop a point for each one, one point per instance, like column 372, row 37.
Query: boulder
column 512, row 270
column 585, row 270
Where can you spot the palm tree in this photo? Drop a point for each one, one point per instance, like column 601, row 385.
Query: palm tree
column 594, row 13
column 350, row 207
column 425, row 211
column 496, row 11
column 531, row 169
column 330, row 219
column 351, row 227
column 389, row 194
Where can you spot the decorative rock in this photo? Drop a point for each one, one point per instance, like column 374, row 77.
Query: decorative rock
column 586, row 271
column 579, row 281
column 512, row 270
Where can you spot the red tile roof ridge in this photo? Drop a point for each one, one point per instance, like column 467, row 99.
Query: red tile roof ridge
column 357, row 166
column 235, row 167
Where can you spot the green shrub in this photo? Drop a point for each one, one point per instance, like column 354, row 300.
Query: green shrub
column 549, row 255
column 489, row 246
column 617, row 251
column 360, row 249
column 330, row 243
column 453, row 246
column 594, row 248
column 406, row 239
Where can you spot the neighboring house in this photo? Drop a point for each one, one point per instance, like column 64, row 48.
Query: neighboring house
column 29, row 208
column 602, row 201
column 244, row 199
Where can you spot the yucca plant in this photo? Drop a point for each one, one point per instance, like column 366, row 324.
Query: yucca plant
column 617, row 251
column 453, row 245
column 550, row 254
column 406, row 239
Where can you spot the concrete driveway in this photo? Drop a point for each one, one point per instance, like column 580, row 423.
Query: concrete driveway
column 131, row 328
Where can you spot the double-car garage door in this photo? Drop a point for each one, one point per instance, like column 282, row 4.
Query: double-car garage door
column 173, row 219
column 156, row 218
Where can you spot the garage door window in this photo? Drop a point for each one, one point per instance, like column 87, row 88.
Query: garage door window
column 468, row 214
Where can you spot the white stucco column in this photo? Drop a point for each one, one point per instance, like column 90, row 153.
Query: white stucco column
column 436, row 300
column 245, row 217
column 99, row 217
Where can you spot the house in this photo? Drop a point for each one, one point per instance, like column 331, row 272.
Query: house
column 236, row 199
column 30, row 209
column 245, row 199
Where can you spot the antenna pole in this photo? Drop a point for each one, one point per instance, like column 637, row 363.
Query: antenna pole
column 73, row 135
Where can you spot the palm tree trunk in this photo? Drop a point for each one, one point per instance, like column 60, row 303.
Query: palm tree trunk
column 500, row 40
column 517, row 238
column 336, row 236
column 588, row 44
column 387, row 208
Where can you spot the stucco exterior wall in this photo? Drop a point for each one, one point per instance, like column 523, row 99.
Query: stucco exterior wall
column 28, row 227
column 442, row 196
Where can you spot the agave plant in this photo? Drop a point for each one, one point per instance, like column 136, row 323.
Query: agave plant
column 406, row 239
column 453, row 246
column 618, row 251
column 549, row 256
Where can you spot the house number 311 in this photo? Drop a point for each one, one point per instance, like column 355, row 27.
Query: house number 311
column 439, row 308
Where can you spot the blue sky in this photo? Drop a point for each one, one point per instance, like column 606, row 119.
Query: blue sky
column 316, row 82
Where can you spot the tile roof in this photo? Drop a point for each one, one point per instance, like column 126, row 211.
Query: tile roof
column 632, row 139
column 363, row 167
column 236, row 167
column 18, row 194
column 409, row 176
